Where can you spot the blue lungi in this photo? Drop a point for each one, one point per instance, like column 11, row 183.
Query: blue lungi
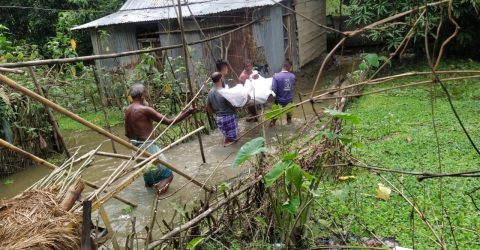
column 228, row 124
column 159, row 172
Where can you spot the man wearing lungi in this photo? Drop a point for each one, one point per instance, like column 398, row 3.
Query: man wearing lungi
column 282, row 85
column 225, row 113
column 139, row 127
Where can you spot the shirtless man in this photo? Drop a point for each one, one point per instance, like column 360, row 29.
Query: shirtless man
column 139, row 126
column 247, row 72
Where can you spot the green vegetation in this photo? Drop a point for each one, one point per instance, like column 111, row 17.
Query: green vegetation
column 347, row 205
column 465, row 12
column 127, row 209
column 333, row 8
column 396, row 132
column 97, row 118
column 8, row 182
column 43, row 26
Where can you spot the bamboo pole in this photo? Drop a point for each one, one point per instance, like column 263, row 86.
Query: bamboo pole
column 56, row 130
column 72, row 195
column 45, row 163
column 108, row 225
column 7, row 81
column 103, row 101
column 14, row 71
column 189, row 80
column 118, row 156
column 114, row 55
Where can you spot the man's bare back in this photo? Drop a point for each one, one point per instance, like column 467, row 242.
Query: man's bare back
column 139, row 118
column 138, row 121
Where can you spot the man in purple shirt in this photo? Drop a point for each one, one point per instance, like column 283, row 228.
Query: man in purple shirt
column 282, row 86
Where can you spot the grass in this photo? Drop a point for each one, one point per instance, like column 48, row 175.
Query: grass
column 396, row 132
column 97, row 118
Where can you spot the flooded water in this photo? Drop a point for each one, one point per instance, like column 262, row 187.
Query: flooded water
column 185, row 156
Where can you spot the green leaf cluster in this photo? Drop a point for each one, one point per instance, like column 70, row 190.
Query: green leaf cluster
column 249, row 149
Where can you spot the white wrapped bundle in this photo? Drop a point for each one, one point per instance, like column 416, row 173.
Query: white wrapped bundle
column 258, row 89
column 238, row 95
column 262, row 89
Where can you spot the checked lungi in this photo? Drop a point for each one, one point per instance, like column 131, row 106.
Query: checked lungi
column 228, row 124
column 154, row 174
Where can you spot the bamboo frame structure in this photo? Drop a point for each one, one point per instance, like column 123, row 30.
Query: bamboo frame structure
column 47, row 164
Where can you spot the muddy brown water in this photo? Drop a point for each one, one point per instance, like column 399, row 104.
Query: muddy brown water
column 185, row 156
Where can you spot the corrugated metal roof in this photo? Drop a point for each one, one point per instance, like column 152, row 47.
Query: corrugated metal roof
column 136, row 11
column 149, row 4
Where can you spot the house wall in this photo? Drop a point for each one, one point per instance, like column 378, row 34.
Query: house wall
column 312, row 39
column 264, row 42
column 118, row 38
column 202, row 63
column 268, row 38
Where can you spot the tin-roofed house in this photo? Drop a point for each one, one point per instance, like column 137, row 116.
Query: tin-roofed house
column 267, row 32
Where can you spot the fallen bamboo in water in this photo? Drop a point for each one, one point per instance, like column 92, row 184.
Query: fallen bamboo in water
column 119, row 156
column 203, row 215
column 45, row 163
column 7, row 81
column 139, row 170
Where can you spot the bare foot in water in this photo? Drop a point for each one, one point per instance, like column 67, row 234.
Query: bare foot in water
column 162, row 186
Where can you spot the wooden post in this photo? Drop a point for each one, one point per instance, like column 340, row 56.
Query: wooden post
column 56, row 130
column 189, row 80
column 7, row 81
column 86, row 241
column 103, row 97
column 45, row 163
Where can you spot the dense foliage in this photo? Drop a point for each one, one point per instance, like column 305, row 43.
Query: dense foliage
column 465, row 12
column 45, row 25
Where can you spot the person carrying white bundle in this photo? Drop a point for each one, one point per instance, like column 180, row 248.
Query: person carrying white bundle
column 225, row 112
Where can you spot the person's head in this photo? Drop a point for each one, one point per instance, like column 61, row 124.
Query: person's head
column 222, row 67
column 287, row 65
column 248, row 65
column 217, row 78
column 137, row 91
